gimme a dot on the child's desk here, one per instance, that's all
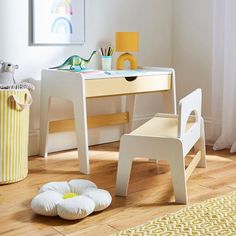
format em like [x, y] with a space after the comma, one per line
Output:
[77, 87]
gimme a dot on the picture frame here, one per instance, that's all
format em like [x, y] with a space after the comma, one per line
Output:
[58, 22]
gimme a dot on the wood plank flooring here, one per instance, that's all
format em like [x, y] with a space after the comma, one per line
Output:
[150, 192]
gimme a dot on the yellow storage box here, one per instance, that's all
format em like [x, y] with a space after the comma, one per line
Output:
[14, 129]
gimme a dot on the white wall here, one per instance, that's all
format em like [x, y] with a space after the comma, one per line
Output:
[192, 50]
[153, 19]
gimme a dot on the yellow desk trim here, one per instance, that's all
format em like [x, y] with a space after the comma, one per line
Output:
[92, 121]
[120, 86]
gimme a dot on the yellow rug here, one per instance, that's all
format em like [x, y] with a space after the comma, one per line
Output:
[213, 217]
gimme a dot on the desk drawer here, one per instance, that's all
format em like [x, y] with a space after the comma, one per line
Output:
[120, 86]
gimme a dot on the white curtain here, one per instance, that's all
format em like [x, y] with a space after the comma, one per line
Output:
[224, 74]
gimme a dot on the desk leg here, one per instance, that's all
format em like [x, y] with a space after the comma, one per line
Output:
[129, 107]
[80, 116]
[169, 102]
[170, 97]
[44, 110]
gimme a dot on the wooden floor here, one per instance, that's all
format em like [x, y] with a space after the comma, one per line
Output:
[150, 192]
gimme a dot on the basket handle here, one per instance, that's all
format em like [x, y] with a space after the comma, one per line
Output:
[27, 104]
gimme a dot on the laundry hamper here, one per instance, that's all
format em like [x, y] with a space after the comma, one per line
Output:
[14, 128]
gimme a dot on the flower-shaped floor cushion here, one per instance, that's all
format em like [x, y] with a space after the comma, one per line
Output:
[70, 200]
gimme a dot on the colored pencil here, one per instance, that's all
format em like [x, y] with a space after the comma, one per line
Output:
[106, 51]
[112, 50]
[100, 51]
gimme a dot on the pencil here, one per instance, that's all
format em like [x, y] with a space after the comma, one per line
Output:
[100, 51]
[109, 51]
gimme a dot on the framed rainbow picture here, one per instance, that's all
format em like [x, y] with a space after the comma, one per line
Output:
[58, 21]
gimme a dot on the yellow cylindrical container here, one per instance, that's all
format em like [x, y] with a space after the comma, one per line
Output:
[14, 129]
[127, 41]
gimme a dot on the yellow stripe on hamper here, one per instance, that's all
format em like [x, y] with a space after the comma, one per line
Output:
[13, 136]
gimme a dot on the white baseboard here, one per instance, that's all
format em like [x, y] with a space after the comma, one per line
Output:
[57, 142]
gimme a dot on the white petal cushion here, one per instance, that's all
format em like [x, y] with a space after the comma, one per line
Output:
[70, 200]
[60, 187]
[101, 198]
[78, 185]
[75, 208]
[46, 203]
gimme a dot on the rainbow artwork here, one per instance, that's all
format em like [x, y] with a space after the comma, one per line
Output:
[62, 7]
[62, 24]
[58, 21]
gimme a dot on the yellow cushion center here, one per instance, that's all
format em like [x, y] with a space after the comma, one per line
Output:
[69, 195]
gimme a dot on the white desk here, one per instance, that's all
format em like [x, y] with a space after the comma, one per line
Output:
[76, 87]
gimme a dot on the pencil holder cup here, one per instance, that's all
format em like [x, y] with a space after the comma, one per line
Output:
[106, 62]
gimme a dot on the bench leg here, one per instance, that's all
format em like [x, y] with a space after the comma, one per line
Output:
[179, 179]
[201, 146]
[123, 171]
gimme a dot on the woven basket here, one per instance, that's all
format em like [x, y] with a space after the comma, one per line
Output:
[14, 128]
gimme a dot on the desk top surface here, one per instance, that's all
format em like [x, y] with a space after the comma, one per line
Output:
[98, 74]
